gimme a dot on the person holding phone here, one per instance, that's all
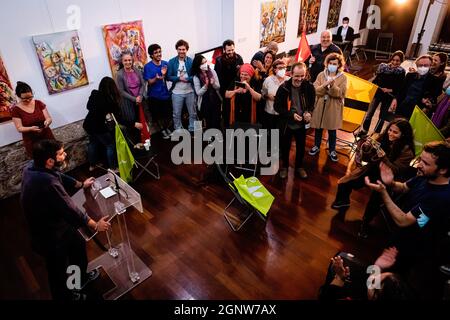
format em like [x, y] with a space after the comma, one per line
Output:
[31, 117]
[243, 96]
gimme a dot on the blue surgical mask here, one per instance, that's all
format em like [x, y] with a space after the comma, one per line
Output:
[332, 68]
[447, 91]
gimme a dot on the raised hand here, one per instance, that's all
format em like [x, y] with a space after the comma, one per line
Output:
[386, 174]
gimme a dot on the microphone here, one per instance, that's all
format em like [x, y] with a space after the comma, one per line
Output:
[117, 187]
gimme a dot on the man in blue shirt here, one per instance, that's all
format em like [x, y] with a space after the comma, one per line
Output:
[54, 218]
[424, 215]
[158, 95]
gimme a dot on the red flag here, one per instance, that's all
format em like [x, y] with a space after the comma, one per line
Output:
[303, 51]
[145, 134]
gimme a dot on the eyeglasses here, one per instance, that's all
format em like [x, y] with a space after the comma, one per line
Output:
[27, 98]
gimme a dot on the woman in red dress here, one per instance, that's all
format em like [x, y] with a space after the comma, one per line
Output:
[31, 118]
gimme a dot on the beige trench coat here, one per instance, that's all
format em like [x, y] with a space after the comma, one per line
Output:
[328, 115]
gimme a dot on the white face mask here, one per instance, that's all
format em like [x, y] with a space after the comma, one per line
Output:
[281, 73]
[204, 67]
[332, 68]
[423, 70]
[345, 25]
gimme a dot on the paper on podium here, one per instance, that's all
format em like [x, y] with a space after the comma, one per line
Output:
[102, 200]
[107, 192]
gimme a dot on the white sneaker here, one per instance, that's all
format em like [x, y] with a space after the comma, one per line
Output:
[333, 156]
[314, 150]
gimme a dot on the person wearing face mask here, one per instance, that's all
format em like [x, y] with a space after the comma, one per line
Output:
[227, 68]
[420, 88]
[344, 37]
[421, 216]
[294, 102]
[389, 78]
[269, 90]
[54, 218]
[319, 52]
[331, 86]
[207, 86]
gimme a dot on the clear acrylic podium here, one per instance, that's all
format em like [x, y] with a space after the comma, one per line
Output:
[111, 196]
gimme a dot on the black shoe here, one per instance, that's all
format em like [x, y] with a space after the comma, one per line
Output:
[340, 204]
[362, 133]
[445, 269]
[363, 232]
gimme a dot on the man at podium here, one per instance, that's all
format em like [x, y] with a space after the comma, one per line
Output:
[53, 218]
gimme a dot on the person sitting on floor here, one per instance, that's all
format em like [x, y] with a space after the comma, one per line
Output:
[395, 147]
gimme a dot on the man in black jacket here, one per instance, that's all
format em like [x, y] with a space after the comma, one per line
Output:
[54, 218]
[345, 32]
[420, 88]
[319, 52]
[294, 102]
[227, 67]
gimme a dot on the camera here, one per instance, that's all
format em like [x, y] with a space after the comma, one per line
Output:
[240, 84]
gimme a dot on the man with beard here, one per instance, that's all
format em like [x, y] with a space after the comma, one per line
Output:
[54, 218]
[227, 67]
[423, 217]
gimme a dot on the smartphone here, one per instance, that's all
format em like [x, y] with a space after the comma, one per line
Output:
[240, 84]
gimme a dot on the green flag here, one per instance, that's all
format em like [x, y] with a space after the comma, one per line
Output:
[254, 193]
[424, 130]
[124, 156]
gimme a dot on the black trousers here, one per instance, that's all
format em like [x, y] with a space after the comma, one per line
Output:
[300, 142]
[72, 251]
[373, 206]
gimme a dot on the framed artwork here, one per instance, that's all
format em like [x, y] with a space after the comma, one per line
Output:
[333, 13]
[61, 61]
[273, 21]
[7, 97]
[128, 36]
[309, 10]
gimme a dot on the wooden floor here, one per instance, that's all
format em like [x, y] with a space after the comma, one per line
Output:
[183, 237]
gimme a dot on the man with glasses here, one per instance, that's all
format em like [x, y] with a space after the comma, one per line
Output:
[420, 88]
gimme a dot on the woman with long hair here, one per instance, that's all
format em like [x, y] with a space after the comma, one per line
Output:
[207, 86]
[389, 78]
[394, 147]
[31, 118]
[99, 123]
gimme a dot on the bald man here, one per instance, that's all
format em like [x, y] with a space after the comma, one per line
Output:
[319, 52]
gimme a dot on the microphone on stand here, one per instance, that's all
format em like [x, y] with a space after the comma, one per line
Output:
[116, 183]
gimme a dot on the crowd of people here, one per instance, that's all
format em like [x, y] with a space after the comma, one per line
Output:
[268, 92]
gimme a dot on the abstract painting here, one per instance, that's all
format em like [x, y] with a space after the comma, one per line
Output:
[61, 61]
[333, 13]
[7, 97]
[128, 36]
[309, 9]
[273, 21]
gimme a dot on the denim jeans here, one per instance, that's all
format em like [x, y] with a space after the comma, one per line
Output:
[178, 100]
[96, 142]
[331, 139]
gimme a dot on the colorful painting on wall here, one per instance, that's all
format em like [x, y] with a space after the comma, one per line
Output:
[61, 61]
[7, 97]
[309, 9]
[333, 13]
[273, 21]
[128, 36]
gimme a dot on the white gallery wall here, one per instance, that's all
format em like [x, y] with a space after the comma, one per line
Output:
[247, 23]
[197, 21]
